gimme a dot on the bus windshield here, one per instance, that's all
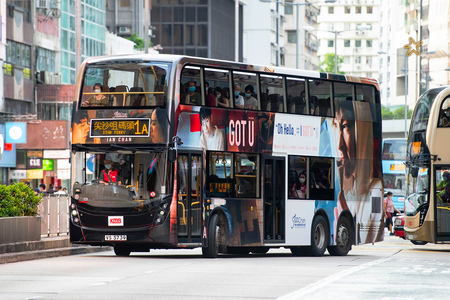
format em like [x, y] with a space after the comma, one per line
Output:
[111, 179]
[418, 189]
[124, 83]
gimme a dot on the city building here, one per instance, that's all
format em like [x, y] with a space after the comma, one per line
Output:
[349, 29]
[125, 17]
[204, 28]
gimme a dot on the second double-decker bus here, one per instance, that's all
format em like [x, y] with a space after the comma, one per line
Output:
[184, 152]
[394, 170]
[427, 206]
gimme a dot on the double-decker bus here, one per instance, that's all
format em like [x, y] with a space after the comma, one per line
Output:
[182, 152]
[427, 208]
[394, 170]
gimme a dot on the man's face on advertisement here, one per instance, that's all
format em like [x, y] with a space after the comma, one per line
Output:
[80, 131]
[345, 138]
[206, 125]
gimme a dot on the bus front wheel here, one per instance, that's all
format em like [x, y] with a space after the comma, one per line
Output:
[319, 237]
[122, 251]
[343, 239]
[214, 235]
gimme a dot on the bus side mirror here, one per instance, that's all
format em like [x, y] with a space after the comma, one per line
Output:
[415, 172]
[172, 155]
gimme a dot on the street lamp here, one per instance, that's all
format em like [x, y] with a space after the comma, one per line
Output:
[406, 87]
[297, 31]
[336, 32]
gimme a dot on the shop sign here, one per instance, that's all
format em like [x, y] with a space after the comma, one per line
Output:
[34, 163]
[18, 174]
[57, 153]
[34, 153]
[63, 164]
[35, 174]
[47, 164]
[63, 174]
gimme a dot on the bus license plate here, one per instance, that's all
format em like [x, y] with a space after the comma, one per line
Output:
[115, 237]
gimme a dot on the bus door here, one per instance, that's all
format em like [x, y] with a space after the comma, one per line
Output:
[189, 210]
[274, 199]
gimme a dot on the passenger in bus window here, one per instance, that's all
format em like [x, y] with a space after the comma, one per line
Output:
[444, 120]
[96, 100]
[193, 97]
[322, 180]
[445, 194]
[156, 126]
[445, 179]
[298, 190]
[249, 101]
[210, 99]
[211, 138]
[221, 98]
[238, 99]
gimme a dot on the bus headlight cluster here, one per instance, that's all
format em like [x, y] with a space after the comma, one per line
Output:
[74, 214]
[163, 211]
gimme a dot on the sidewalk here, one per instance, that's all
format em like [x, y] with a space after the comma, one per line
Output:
[45, 248]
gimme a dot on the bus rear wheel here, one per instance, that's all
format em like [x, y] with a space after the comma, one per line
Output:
[319, 237]
[214, 236]
[343, 239]
[122, 251]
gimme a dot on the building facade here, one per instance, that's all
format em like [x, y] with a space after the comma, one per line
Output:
[204, 28]
[353, 26]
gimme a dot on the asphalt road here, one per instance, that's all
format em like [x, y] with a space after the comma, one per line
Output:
[393, 269]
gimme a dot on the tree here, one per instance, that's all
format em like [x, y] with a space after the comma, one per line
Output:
[397, 114]
[327, 65]
[138, 42]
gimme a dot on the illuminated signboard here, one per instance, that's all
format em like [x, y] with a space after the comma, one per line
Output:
[398, 167]
[47, 165]
[130, 127]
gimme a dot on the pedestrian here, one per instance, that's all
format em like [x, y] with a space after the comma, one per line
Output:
[51, 189]
[60, 191]
[389, 209]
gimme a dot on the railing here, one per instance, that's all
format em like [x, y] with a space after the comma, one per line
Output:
[54, 212]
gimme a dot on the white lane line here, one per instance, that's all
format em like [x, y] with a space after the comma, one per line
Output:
[328, 280]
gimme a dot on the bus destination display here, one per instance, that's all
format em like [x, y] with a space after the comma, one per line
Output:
[129, 127]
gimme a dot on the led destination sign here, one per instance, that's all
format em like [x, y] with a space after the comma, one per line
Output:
[130, 127]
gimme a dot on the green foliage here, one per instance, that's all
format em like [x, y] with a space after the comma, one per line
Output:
[18, 200]
[327, 65]
[397, 114]
[138, 42]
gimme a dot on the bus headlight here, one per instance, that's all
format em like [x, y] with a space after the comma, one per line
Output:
[74, 213]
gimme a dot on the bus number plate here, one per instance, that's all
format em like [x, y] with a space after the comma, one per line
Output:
[115, 237]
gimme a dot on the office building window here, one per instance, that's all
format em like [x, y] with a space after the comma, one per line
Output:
[347, 9]
[330, 43]
[369, 9]
[357, 43]
[330, 10]
[288, 8]
[346, 43]
[369, 43]
[358, 9]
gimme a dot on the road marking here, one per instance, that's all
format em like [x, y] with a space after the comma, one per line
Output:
[330, 279]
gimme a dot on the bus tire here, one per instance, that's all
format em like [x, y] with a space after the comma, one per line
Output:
[122, 251]
[419, 243]
[214, 235]
[319, 237]
[343, 238]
